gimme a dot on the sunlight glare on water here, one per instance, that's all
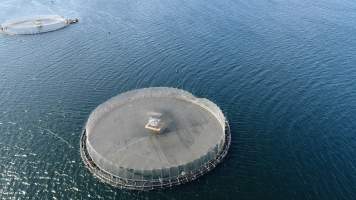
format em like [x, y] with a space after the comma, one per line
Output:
[283, 72]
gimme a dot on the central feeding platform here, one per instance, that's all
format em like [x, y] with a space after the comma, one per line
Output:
[154, 138]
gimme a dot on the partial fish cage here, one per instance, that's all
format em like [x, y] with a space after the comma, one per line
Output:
[34, 25]
[134, 179]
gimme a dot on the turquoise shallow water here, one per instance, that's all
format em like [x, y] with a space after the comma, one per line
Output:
[282, 71]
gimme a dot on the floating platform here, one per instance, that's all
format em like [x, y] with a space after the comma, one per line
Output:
[35, 25]
[119, 148]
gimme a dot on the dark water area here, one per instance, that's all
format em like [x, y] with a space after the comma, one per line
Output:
[283, 72]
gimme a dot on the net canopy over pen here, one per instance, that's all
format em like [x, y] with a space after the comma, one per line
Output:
[34, 25]
[121, 145]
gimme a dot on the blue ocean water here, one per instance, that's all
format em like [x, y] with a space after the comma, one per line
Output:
[283, 72]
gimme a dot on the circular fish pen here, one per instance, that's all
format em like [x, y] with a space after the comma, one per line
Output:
[154, 138]
[35, 25]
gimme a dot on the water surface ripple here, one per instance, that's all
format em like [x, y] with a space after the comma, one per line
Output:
[282, 71]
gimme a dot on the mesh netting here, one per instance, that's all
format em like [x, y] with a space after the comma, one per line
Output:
[147, 161]
[34, 25]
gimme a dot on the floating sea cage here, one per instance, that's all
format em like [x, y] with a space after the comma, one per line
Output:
[35, 25]
[135, 154]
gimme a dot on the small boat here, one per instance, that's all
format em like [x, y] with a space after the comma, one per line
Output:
[35, 25]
